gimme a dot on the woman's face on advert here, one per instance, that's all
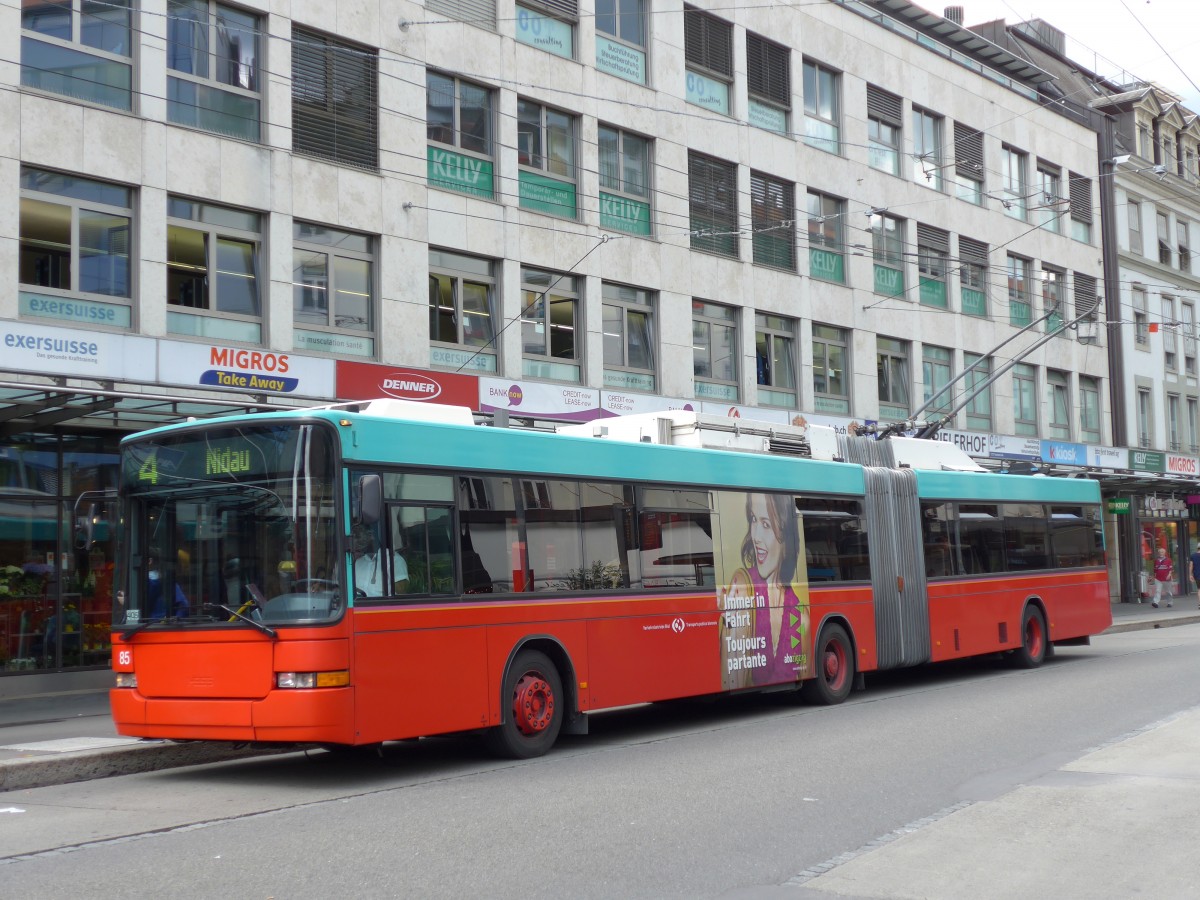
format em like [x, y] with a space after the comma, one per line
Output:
[767, 548]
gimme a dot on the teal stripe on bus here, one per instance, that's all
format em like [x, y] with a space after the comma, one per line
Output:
[476, 448]
[1006, 488]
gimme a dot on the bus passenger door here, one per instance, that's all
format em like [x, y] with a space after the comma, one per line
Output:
[897, 567]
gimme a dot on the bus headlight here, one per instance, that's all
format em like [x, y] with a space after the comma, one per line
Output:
[126, 679]
[312, 679]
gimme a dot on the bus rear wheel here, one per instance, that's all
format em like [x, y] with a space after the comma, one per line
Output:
[834, 658]
[1034, 644]
[531, 701]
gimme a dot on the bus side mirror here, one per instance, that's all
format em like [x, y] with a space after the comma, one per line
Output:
[370, 490]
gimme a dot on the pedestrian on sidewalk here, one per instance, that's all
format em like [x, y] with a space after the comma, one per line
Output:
[1196, 567]
[1163, 572]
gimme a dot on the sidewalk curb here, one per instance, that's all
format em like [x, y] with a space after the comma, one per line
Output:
[1146, 624]
[149, 756]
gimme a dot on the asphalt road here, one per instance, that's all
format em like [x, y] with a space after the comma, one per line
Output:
[731, 798]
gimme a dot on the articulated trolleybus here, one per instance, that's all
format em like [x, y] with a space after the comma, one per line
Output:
[386, 570]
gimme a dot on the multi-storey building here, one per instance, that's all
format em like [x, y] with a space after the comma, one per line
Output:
[825, 211]
[1150, 165]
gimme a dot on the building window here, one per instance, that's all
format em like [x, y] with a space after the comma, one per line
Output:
[621, 39]
[1143, 417]
[1025, 399]
[1170, 345]
[712, 194]
[1020, 305]
[821, 108]
[973, 275]
[1185, 245]
[1013, 183]
[927, 148]
[462, 311]
[937, 367]
[1080, 188]
[212, 52]
[831, 369]
[549, 325]
[775, 361]
[968, 163]
[624, 163]
[1189, 338]
[892, 377]
[714, 351]
[79, 48]
[1087, 309]
[708, 52]
[1059, 384]
[773, 221]
[1089, 409]
[769, 83]
[1048, 199]
[546, 155]
[885, 113]
[1054, 284]
[826, 246]
[887, 249]
[1193, 414]
[480, 13]
[1141, 317]
[1174, 441]
[979, 406]
[458, 126]
[629, 354]
[548, 25]
[334, 100]
[1134, 213]
[213, 271]
[76, 239]
[933, 251]
[1164, 239]
[333, 290]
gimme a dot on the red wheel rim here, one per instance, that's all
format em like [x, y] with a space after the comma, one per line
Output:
[833, 661]
[533, 704]
[1033, 636]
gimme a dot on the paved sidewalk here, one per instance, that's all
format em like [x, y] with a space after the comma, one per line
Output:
[1119, 822]
[59, 738]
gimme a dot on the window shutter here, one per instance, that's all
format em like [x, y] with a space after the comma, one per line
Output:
[885, 107]
[1080, 187]
[972, 251]
[933, 238]
[772, 215]
[968, 152]
[768, 74]
[474, 12]
[708, 41]
[560, 9]
[335, 110]
[712, 196]
[1087, 304]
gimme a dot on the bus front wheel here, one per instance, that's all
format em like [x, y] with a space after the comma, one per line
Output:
[532, 703]
[1034, 644]
[834, 676]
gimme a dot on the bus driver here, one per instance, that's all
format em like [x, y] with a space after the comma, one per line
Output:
[368, 565]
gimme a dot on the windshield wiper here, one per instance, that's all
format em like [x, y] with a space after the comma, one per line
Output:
[144, 625]
[265, 629]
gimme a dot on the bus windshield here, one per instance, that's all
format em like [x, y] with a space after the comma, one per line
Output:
[236, 524]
